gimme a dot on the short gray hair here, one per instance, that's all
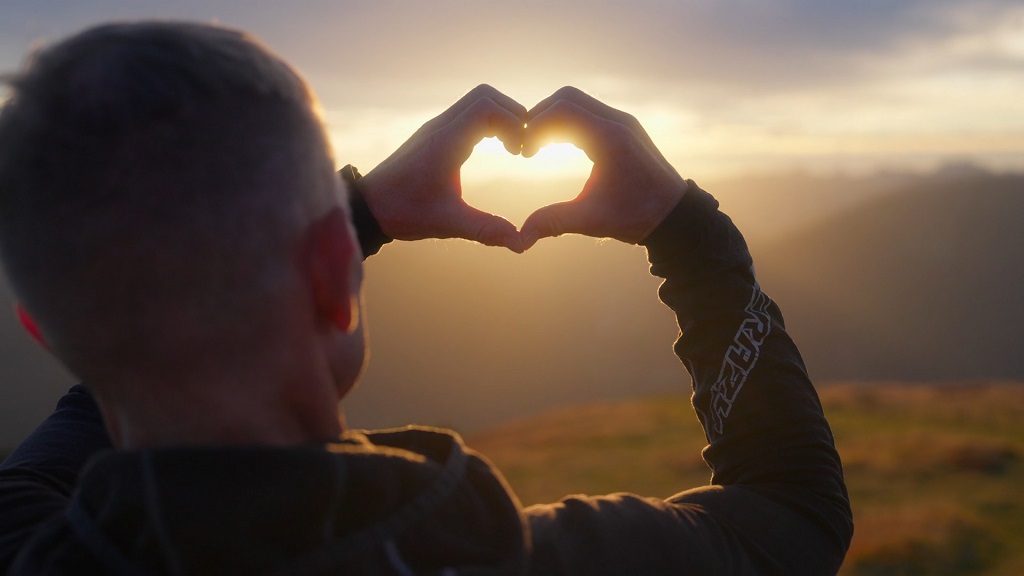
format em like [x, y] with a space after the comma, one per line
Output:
[153, 170]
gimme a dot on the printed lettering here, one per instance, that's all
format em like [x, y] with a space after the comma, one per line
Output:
[740, 358]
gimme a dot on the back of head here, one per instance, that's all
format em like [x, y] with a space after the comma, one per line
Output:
[154, 179]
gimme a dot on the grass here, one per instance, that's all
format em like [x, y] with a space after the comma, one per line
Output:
[934, 471]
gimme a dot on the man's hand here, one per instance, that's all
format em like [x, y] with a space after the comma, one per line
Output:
[417, 192]
[631, 188]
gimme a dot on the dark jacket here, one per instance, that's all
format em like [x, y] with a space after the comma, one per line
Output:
[414, 501]
[372, 504]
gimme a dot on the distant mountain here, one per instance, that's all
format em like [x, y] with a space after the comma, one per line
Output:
[924, 283]
[768, 206]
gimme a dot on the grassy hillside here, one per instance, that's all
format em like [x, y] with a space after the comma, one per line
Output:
[934, 471]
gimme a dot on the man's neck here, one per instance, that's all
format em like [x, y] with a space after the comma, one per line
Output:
[242, 411]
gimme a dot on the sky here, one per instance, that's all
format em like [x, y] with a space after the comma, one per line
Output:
[723, 87]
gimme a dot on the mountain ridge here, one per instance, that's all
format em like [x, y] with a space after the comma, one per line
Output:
[924, 281]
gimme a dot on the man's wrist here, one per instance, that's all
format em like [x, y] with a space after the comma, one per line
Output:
[368, 230]
[680, 231]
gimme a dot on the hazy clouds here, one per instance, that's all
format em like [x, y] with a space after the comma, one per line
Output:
[729, 83]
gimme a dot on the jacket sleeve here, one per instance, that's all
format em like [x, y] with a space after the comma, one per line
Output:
[36, 480]
[777, 502]
[371, 237]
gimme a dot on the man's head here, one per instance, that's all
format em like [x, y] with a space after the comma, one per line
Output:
[158, 186]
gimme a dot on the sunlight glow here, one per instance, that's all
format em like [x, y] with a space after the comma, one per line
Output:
[490, 161]
[364, 137]
[512, 186]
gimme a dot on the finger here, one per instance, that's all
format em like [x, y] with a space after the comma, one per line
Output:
[584, 100]
[552, 220]
[595, 107]
[455, 110]
[570, 93]
[481, 92]
[483, 119]
[565, 121]
[488, 229]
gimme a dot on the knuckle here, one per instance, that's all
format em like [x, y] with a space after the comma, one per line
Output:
[486, 233]
[554, 224]
[619, 135]
[482, 90]
[568, 93]
[481, 105]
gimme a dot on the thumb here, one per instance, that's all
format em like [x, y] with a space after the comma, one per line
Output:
[552, 220]
[487, 229]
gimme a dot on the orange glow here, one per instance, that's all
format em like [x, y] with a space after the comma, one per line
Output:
[513, 186]
[490, 160]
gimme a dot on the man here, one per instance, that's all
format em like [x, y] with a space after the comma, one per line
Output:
[172, 224]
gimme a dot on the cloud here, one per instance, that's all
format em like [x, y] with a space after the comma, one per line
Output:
[745, 44]
[793, 69]
[748, 45]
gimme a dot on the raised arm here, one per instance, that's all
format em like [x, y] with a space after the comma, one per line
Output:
[777, 503]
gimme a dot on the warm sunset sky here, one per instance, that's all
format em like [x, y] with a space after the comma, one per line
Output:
[721, 86]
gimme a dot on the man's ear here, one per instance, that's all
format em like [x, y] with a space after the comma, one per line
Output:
[30, 325]
[331, 265]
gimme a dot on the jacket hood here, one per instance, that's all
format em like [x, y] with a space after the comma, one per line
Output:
[405, 501]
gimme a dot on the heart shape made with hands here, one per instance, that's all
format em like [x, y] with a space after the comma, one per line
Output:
[418, 192]
[513, 186]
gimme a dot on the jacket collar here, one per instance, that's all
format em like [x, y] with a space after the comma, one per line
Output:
[412, 496]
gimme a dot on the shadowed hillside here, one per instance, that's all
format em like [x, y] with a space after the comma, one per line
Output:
[767, 207]
[924, 283]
